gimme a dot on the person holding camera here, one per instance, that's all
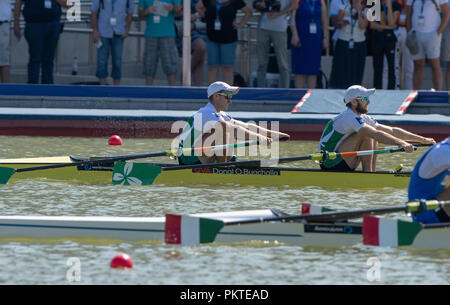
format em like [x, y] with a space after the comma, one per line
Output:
[272, 28]
[350, 55]
[309, 36]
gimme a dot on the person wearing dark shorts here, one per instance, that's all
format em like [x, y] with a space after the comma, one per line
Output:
[340, 167]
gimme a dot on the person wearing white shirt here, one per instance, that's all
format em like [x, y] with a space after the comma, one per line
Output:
[354, 130]
[213, 123]
[424, 18]
[335, 5]
[349, 58]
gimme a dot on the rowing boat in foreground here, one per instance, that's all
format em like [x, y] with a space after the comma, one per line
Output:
[247, 176]
[136, 229]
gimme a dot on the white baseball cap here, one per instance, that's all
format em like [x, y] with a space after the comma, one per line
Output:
[356, 91]
[219, 86]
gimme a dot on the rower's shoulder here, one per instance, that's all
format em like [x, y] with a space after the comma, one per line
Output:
[344, 115]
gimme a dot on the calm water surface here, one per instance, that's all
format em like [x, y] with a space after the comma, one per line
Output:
[45, 261]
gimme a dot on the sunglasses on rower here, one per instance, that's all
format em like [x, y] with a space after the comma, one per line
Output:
[364, 99]
[227, 95]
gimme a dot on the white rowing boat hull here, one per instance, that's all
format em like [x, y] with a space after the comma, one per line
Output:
[134, 229]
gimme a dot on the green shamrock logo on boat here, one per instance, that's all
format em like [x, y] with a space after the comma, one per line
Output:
[130, 173]
[124, 177]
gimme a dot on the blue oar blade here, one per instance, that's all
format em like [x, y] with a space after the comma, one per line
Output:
[5, 174]
[130, 173]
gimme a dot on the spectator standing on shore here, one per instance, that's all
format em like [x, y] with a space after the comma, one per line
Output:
[405, 61]
[160, 38]
[221, 29]
[350, 55]
[446, 53]
[198, 44]
[309, 36]
[111, 21]
[335, 6]
[425, 20]
[384, 43]
[272, 26]
[5, 18]
[42, 29]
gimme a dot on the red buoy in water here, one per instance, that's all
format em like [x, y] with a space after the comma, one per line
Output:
[121, 261]
[115, 140]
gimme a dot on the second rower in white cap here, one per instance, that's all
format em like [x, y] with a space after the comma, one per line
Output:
[354, 130]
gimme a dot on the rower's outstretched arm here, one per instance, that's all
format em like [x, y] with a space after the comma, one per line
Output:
[384, 137]
[241, 131]
[405, 135]
[262, 131]
[224, 132]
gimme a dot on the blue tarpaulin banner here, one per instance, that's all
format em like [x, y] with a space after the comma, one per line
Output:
[332, 101]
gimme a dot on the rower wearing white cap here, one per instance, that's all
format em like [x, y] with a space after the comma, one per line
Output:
[354, 130]
[212, 123]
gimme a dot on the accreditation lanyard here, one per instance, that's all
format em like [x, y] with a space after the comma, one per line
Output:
[353, 21]
[422, 17]
[312, 25]
[113, 19]
[217, 23]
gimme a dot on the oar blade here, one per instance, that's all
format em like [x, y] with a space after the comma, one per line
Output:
[131, 173]
[386, 232]
[190, 230]
[5, 174]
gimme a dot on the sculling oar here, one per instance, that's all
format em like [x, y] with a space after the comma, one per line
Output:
[184, 229]
[144, 174]
[415, 144]
[7, 172]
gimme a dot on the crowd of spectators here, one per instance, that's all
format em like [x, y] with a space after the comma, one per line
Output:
[403, 35]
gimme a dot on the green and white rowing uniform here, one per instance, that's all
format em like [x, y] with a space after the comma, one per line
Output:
[196, 125]
[338, 129]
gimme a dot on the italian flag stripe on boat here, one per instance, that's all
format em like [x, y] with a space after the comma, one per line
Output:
[189, 230]
[308, 208]
[388, 232]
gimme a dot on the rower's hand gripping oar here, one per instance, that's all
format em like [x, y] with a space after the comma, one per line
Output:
[7, 172]
[184, 229]
[147, 173]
